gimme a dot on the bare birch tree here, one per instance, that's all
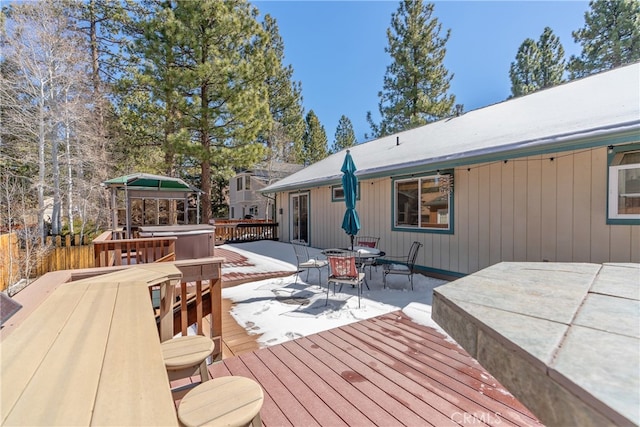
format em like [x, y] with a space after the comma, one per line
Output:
[47, 81]
[17, 210]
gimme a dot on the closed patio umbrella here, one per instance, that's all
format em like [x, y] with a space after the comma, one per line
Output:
[351, 222]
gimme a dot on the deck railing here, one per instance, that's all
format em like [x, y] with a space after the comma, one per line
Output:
[245, 231]
[200, 295]
[110, 252]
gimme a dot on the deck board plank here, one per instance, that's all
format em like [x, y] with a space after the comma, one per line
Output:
[284, 369]
[282, 394]
[392, 398]
[385, 371]
[409, 397]
[270, 409]
[316, 386]
[322, 363]
[459, 359]
[474, 368]
[451, 383]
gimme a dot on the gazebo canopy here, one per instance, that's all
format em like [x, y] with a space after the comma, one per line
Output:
[145, 181]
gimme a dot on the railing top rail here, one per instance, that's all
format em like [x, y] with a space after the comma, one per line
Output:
[261, 224]
[140, 239]
[106, 236]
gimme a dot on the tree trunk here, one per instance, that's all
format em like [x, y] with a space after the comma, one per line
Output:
[206, 145]
[41, 164]
[55, 169]
[67, 138]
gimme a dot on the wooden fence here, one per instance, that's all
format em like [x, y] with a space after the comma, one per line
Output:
[9, 265]
[66, 253]
[63, 253]
[69, 253]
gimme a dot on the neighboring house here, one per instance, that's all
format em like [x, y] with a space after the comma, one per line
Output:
[552, 176]
[245, 197]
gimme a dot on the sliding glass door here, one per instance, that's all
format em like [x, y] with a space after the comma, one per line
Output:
[299, 229]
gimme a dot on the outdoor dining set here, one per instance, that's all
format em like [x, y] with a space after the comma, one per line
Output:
[347, 265]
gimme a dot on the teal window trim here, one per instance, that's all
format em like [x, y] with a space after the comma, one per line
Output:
[611, 154]
[338, 188]
[418, 229]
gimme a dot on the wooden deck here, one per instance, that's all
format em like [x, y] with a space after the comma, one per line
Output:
[383, 371]
[235, 338]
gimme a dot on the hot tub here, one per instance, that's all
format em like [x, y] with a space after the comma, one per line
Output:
[194, 241]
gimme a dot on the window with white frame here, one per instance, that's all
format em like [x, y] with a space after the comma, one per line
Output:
[247, 182]
[239, 183]
[624, 186]
[337, 193]
[423, 203]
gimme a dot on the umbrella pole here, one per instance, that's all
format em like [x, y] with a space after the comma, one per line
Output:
[351, 241]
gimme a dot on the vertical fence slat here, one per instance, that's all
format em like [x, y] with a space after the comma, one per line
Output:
[9, 254]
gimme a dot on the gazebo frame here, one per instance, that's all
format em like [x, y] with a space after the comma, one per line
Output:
[148, 186]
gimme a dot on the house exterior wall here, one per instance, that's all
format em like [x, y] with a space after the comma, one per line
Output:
[525, 209]
[241, 201]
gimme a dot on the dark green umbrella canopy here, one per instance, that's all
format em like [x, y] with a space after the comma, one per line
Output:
[351, 221]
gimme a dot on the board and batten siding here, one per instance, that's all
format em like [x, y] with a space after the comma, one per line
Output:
[549, 207]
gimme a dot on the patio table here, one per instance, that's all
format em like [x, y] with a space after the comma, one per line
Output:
[90, 355]
[363, 252]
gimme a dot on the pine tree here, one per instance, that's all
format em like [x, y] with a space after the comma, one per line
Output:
[205, 64]
[315, 140]
[523, 71]
[609, 39]
[106, 25]
[416, 83]
[551, 64]
[284, 139]
[345, 136]
[538, 65]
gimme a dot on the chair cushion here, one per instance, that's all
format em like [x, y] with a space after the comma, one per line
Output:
[348, 280]
[343, 267]
[314, 263]
[397, 268]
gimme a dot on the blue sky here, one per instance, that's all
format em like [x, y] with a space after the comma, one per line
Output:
[337, 49]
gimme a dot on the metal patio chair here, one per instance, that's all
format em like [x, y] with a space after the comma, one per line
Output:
[368, 242]
[343, 270]
[305, 262]
[406, 269]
